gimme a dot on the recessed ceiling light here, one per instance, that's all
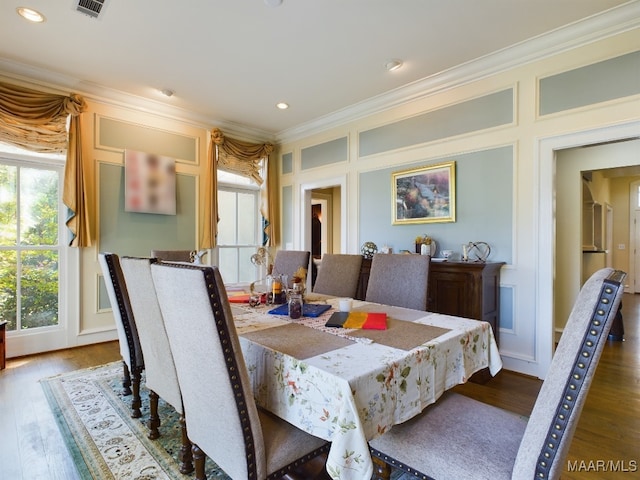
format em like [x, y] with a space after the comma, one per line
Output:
[30, 14]
[282, 105]
[393, 65]
[167, 92]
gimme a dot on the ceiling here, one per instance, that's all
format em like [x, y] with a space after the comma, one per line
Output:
[230, 61]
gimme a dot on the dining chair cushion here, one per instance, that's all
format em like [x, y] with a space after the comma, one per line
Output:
[287, 262]
[463, 438]
[128, 339]
[115, 285]
[338, 275]
[400, 280]
[119, 298]
[222, 417]
[161, 378]
[458, 437]
[160, 369]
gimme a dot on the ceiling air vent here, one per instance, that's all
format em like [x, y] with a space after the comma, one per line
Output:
[90, 7]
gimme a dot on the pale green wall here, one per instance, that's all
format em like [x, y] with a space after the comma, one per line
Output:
[484, 200]
[472, 115]
[501, 175]
[607, 80]
[136, 234]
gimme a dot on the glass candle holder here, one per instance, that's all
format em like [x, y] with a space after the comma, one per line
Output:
[295, 306]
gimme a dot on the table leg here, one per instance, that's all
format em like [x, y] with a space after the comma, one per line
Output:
[381, 471]
[617, 327]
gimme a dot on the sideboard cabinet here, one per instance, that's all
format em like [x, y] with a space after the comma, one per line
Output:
[466, 289]
[462, 289]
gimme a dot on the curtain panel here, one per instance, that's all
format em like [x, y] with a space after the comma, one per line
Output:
[242, 158]
[37, 121]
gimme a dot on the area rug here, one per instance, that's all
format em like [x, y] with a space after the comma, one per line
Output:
[104, 441]
[94, 418]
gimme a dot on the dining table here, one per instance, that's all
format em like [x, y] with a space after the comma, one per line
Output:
[350, 385]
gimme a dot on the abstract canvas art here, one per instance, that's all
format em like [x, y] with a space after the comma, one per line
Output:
[150, 183]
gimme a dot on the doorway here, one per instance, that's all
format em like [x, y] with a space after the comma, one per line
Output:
[547, 247]
[322, 221]
[330, 195]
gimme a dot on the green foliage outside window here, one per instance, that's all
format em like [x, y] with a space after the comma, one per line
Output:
[28, 247]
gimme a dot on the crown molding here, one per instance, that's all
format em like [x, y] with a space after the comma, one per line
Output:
[34, 77]
[613, 22]
[595, 28]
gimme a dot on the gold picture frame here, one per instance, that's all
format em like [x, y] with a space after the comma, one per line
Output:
[424, 195]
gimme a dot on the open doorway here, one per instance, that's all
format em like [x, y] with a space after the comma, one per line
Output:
[326, 233]
[549, 245]
[322, 219]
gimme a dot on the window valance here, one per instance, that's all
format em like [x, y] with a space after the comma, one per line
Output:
[37, 121]
[243, 158]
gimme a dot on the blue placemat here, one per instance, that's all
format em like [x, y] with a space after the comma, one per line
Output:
[308, 309]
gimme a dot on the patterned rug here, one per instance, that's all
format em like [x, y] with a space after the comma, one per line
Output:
[104, 441]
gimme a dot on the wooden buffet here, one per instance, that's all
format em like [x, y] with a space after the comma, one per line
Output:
[462, 289]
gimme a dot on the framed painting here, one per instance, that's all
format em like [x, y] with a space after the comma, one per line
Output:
[150, 183]
[424, 194]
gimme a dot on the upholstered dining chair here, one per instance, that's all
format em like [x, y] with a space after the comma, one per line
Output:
[400, 280]
[130, 350]
[338, 275]
[287, 262]
[459, 437]
[174, 255]
[161, 378]
[223, 419]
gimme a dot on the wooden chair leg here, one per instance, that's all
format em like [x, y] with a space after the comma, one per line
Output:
[381, 470]
[136, 402]
[198, 460]
[185, 456]
[126, 380]
[154, 419]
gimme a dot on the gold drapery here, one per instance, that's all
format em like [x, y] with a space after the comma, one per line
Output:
[37, 121]
[243, 158]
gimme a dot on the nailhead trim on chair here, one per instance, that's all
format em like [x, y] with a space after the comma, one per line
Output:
[232, 368]
[109, 257]
[399, 465]
[280, 473]
[576, 380]
[132, 378]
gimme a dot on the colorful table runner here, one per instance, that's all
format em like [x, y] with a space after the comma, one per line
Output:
[366, 320]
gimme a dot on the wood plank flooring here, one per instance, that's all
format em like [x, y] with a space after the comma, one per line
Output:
[607, 437]
[606, 444]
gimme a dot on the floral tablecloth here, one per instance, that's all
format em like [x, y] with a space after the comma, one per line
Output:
[354, 393]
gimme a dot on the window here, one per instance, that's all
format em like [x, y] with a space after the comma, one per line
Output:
[30, 250]
[239, 228]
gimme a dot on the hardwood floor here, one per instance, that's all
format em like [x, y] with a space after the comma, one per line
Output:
[609, 427]
[31, 446]
[608, 434]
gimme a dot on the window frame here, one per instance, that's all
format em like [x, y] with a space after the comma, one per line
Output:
[253, 189]
[14, 157]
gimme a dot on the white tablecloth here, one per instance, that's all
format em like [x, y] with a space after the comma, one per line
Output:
[355, 393]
